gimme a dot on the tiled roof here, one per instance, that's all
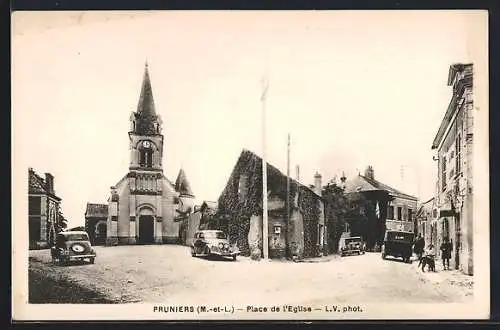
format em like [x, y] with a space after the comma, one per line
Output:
[96, 210]
[36, 183]
[362, 183]
[276, 171]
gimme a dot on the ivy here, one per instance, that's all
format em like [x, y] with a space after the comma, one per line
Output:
[234, 213]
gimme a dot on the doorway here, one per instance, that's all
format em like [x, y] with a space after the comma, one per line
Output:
[100, 234]
[146, 229]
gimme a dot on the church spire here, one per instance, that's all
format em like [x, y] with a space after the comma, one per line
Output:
[145, 121]
[146, 106]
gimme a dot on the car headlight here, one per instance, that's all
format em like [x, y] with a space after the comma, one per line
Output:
[214, 248]
[221, 245]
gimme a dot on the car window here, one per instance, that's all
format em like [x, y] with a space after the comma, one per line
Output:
[77, 237]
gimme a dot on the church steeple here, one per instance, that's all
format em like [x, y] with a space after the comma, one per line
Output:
[145, 137]
[145, 119]
[146, 105]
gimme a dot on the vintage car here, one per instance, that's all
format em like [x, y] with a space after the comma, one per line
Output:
[398, 244]
[212, 242]
[72, 246]
[352, 245]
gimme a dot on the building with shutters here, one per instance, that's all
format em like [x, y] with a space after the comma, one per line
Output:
[453, 145]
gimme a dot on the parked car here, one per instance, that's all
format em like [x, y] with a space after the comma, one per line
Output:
[352, 245]
[398, 244]
[72, 246]
[213, 242]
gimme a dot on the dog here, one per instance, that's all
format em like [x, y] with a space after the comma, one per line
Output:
[427, 260]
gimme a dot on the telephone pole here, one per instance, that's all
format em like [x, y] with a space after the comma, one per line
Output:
[265, 227]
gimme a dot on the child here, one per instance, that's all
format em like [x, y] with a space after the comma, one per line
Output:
[428, 258]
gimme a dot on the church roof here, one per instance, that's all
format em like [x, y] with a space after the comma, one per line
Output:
[147, 122]
[96, 210]
[146, 105]
[182, 184]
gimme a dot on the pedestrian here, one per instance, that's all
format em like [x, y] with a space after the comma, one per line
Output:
[446, 248]
[419, 246]
[428, 258]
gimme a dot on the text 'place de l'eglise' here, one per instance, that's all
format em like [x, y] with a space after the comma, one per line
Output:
[304, 220]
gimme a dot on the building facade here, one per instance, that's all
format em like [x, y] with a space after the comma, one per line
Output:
[453, 146]
[145, 207]
[381, 208]
[44, 215]
[96, 220]
[302, 232]
[426, 218]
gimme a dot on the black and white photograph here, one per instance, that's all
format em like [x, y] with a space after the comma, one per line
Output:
[250, 165]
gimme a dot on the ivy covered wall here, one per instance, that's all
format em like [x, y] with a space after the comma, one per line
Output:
[242, 198]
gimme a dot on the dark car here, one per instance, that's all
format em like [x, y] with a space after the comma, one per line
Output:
[72, 246]
[213, 242]
[398, 244]
[352, 245]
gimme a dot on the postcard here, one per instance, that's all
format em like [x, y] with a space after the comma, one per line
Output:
[250, 165]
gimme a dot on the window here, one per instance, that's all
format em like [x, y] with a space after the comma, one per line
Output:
[400, 213]
[443, 174]
[34, 205]
[458, 147]
[410, 214]
[146, 158]
[390, 212]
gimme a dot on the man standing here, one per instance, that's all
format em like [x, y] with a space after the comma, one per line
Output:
[446, 248]
[419, 246]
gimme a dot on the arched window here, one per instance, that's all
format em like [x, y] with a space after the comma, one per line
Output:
[146, 157]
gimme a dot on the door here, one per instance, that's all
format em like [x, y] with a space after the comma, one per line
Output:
[146, 229]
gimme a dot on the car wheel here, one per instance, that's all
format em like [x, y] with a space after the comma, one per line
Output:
[383, 256]
[234, 258]
[92, 260]
[193, 254]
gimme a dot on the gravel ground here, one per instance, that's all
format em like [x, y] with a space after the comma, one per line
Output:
[168, 274]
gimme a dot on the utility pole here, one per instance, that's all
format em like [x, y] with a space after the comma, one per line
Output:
[287, 249]
[265, 227]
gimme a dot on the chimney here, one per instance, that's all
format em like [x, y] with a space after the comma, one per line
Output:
[49, 182]
[297, 173]
[317, 183]
[369, 173]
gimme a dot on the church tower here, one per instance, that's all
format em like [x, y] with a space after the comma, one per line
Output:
[145, 138]
[144, 205]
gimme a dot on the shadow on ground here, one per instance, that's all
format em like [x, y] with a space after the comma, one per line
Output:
[44, 288]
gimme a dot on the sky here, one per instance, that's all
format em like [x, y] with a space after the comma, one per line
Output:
[351, 88]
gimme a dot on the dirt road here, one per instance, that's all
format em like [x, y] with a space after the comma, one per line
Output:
[168, 274]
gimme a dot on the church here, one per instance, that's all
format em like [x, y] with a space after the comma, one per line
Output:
[145, 207]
